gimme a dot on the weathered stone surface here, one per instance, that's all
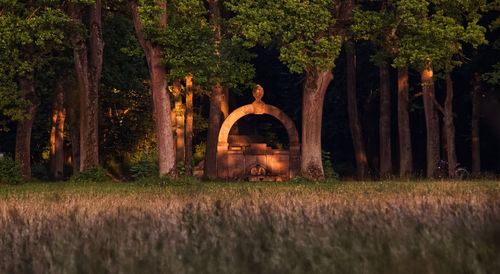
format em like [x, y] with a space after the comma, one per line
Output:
[237, 160]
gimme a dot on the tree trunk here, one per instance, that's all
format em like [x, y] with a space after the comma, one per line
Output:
[72, 106]
[313, 97]
[385, 123]
[75, 143]
[214, 123]
[158, 86]
[180, 152]
[405, 150]
[224, 107]
[189, 124]
[214, 7]
[25, 126]
[431, 121]
[88, 67]
[450, 127]
[216, 100]
[354, 124]
[57, 134]
[476, 145]
[161, 101]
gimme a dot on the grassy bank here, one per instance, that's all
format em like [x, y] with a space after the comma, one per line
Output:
[193, 227]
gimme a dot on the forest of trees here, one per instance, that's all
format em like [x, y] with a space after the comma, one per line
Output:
[377, 88]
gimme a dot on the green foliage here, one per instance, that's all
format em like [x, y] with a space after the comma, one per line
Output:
[301, 30]
[493, 76]
[435, 30]
[422, 33]
[142, 161]
[40, 171]
[95, 174]
[199, 152]
[9, 171]
[29, 34]
[328, 166]
[144, 164]
[124, 98]
[190, 46]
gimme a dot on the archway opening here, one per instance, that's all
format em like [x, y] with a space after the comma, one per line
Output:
[259, 129]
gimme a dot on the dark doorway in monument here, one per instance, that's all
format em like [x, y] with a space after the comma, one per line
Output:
[258, 142]
[262, 128]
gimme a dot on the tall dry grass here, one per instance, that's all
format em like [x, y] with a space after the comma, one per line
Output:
[289, 230]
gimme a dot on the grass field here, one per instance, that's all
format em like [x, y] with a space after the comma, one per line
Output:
[194, 227]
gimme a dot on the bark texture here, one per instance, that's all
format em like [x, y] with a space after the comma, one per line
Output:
[189, 124]
[216, 100]
[385, 123]
[313, 97]
[354, 124]
[214, 123]
[225, 103]
[431, 121]
[405, 150]
[180, 152]
[57, 134]
[475, 141]
[449, 128]
[73, 115]
[88, 67]
[25, 126]
[158, 86]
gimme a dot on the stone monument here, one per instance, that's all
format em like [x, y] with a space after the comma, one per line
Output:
[246, 160]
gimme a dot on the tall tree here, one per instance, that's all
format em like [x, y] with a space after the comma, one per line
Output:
[383, 28]
[385, 122]
[205, 49]
[308, 43]
[345, 13]
[88, 56]
[189, 124]
[435, 32]
[179, 124]
[449, 128]
[431, 119]
[405, 149]
[31, 32]
[146, 25]
[216, 97]
[475, 129]
[57, 133]
[352, 109]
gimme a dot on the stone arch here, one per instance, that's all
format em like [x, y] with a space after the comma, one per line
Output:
[250, 109]
[257, 107]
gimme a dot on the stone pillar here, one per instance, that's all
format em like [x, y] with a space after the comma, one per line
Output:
[222, 166]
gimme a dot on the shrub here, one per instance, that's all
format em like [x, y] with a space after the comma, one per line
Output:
[95, 174]
[328, 166]
[144, 164]
[199, 153]
[10, 173]
[40, 171]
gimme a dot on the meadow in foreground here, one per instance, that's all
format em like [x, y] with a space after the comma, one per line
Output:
[391, 227]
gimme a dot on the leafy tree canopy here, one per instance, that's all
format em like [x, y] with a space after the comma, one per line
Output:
[190, 47]
[303, 31]
[422, 33]
[28, 36]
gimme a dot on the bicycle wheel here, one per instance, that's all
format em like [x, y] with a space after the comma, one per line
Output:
[462, 173]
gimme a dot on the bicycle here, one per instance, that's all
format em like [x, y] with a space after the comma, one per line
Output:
[441, 171]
